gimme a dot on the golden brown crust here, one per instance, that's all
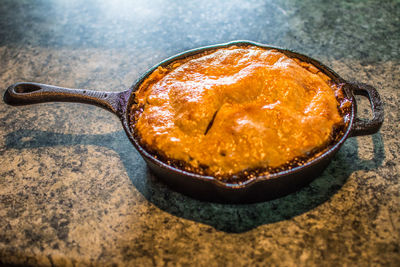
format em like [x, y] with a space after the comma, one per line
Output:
[236, 108]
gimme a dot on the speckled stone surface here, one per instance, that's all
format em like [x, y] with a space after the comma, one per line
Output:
[74, 192]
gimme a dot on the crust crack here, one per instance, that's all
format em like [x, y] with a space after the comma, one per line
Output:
[210, 124]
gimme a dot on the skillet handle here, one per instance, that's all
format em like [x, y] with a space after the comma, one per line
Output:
[26, 93]
[367, 127]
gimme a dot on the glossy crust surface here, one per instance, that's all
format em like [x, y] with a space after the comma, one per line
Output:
[236, 109]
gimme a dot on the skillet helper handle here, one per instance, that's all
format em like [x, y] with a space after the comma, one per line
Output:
[26, 93]
[367, 127]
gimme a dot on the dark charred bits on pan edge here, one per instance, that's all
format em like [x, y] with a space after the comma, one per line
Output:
[242, 176]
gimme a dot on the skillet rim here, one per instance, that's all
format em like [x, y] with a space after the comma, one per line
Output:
[125, 117]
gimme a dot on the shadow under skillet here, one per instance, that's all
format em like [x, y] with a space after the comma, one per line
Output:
[225, 217]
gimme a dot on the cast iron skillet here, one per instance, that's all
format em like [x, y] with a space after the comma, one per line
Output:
[203, 187]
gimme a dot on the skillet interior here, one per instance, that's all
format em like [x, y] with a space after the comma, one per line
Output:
[247, 177]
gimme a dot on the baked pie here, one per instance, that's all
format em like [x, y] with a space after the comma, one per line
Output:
[236, 109]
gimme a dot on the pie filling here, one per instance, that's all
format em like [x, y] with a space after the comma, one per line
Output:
[237, 109]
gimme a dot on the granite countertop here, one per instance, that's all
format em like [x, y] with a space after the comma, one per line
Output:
[74, 192]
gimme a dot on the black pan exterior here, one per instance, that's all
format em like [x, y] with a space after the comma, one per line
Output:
[261, 189]
[255, 189]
